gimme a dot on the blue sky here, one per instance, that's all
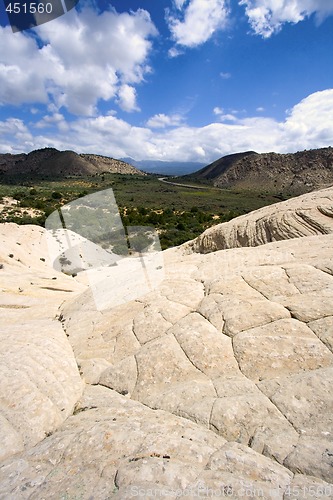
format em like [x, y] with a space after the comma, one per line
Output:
[184, 80]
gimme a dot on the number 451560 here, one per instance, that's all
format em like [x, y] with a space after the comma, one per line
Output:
[30, 8]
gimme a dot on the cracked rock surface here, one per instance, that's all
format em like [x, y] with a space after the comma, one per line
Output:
[219, 379]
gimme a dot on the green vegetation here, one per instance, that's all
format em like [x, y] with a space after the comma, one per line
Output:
[178, 213]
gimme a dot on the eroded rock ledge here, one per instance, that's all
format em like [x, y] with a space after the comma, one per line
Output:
[220, 379]
[306, 215]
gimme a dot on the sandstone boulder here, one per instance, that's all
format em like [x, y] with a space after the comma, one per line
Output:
[305, 215]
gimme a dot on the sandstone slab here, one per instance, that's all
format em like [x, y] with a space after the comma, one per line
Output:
[286, 346]
[115, 447]
[304, 215]
[221, 378]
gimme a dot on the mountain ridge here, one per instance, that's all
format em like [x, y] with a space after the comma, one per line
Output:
[49, 162]
[165, 167]
[294, 173]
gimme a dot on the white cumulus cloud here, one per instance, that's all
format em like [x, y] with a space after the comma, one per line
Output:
[127, 98]
[15, 136]
[310, 122]
[223, 116]
[80, 59]
[267, 16]
[197, 21]
[161, 121]
[307, 125]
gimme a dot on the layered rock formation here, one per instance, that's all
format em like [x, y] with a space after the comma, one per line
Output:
[305, 215]
[216, 384]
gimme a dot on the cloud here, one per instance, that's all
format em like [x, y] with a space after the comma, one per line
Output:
[175, 52]
[22, 69]
[197, 21]
[267, 16]
[225, 76]
[127, 98]
[310, 121]
[53, 119]
[218, 111]
[307, 125]
[15, 136]
[193, 22]
[179, 3]
[77, 60]
[224, 116]
[162, 121]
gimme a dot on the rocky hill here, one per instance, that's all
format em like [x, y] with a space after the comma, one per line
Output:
[218, 167]
[296, 173]
[217, 383]
[50, 162]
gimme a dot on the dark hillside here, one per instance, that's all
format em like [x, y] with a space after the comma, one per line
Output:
[50, 162]
[219, 166]
[291, 174]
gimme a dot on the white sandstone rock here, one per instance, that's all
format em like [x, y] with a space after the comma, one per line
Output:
[218, 380]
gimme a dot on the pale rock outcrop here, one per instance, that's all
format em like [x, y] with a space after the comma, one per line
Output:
[114, 447]
[39, 379]
[286, 346]
[305, 215]
[219, 379]
[232, 335]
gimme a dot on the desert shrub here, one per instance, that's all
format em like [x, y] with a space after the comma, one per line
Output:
[18, 195]
[180, 226]
[142, 210]
[153, 218]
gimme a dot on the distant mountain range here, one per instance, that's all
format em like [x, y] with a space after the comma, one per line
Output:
[165, 167]
[292, 173]
[50, 162]
[295, 173]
